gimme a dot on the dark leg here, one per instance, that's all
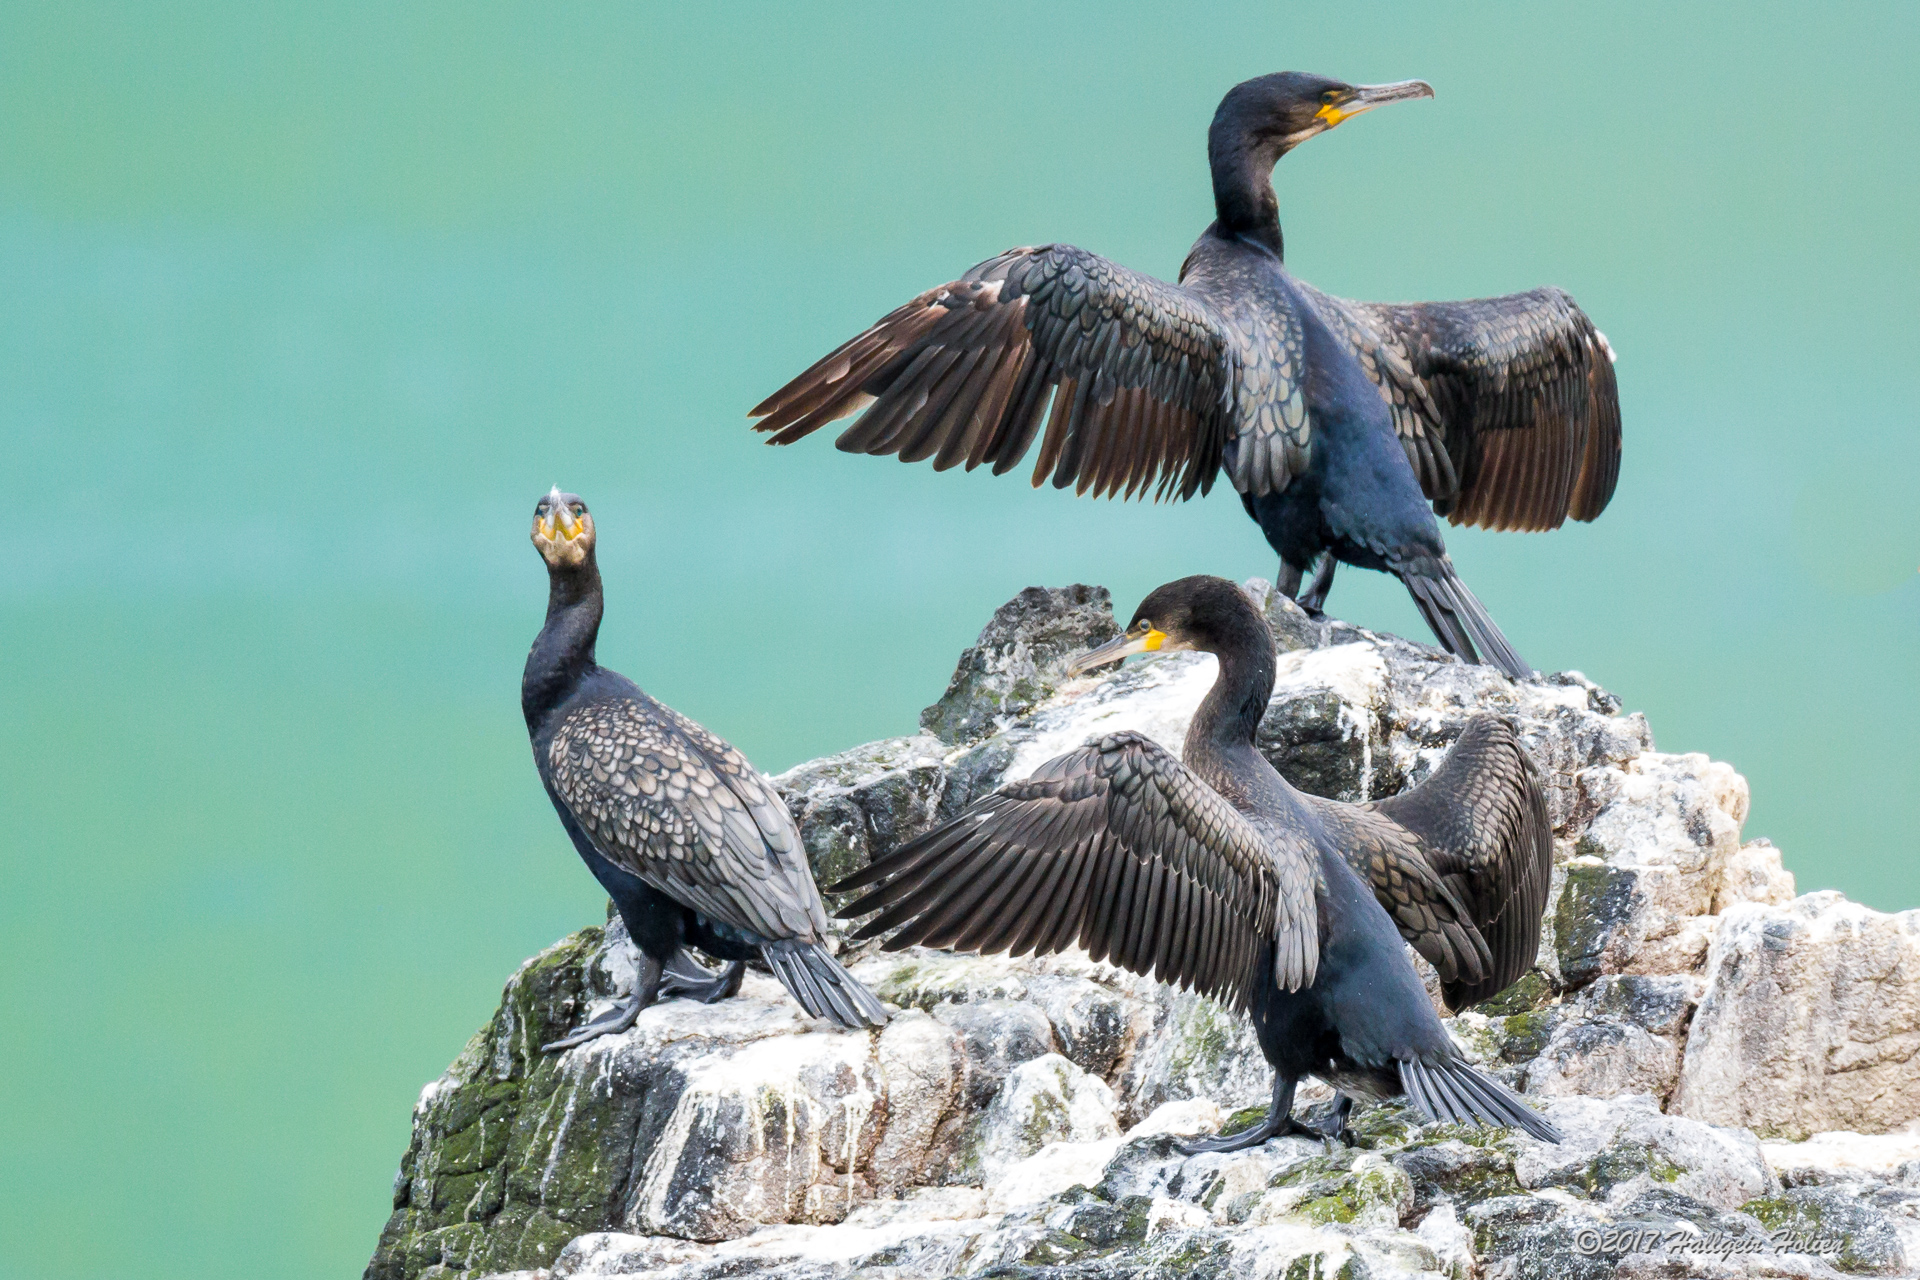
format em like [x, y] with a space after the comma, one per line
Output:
[685, 976]
[1279, 1123]
[1340, 1131]
[1288, 583]
[1314, 599]
[646, 987]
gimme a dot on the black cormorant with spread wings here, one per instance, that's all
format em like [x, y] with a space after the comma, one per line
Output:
[686, 837]
[1345, 426]
[1211, 872]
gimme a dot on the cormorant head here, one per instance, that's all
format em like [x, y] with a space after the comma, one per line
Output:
[563, 530]
[1277, 113]
[1202, 612]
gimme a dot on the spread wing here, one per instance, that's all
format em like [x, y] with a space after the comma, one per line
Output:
[1120, 848]
[664, 799]
[1507, 407]
[1141, 376]
[1480, 822]
[1424, 907]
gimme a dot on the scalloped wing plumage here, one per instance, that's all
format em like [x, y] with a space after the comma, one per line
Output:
[1480, 822]
[1272, 434]
[1507, 407]
[661, 797]
[1142, 378]
[1117, 847]
[1426, 910]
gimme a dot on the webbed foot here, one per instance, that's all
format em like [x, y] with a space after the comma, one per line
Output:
[1342, 1132]
[1279, 1122]
[1335, 1128]
[1251, 1136]
[614, 1020]
[646, 988]
[1314, 599]
[686, 977]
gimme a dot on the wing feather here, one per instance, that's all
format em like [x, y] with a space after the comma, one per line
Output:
[1143, 377]
[661, 797]
[1120, 848]
[1480, 823]
[1507, 406]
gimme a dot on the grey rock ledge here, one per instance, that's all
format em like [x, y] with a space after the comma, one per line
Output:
[1733, 1066]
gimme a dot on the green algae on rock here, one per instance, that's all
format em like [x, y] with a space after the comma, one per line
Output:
[744, 1139]
[482, 1186]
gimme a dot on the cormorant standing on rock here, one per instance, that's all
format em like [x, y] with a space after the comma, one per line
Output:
[1211, 872]
[1345, 426]
[686, 837]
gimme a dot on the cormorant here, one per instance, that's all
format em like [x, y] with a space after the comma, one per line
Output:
[1338, 422]
[1212, 872]
[686, 837]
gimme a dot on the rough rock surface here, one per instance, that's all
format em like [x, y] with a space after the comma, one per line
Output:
[1019, 659]
[1817, 971]
[1733, 1067]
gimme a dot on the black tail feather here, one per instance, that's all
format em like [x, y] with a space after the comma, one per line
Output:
[1458, 1093]
[1459, 621]
[1440, 620]
[822, 987]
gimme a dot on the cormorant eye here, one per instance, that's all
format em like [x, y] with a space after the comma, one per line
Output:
[579, 510]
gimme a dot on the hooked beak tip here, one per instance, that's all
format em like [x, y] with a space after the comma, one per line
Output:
[560, 515]
[1368, 96]
[1398, 91]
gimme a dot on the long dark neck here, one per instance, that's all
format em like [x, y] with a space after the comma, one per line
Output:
[1243, 202]
[562, 653]
[1223, 728]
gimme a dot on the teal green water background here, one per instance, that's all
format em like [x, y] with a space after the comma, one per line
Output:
[301, 307]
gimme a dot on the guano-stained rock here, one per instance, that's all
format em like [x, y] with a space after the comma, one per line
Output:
[1044, 1100]
[1021, 1117]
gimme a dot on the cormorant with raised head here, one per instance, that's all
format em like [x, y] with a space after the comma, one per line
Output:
[1211, 872]
[686, 837]
[1345, 426]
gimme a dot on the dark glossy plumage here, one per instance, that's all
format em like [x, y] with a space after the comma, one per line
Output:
[1506, 407]
[1343, 425]
[1055, 859]
[1461, 862]
[1213, 873]
[687, 838]
[663, 798]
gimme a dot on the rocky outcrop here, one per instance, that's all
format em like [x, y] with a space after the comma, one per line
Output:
[1688, 1025]
[1019, 659]
[1810, 1019]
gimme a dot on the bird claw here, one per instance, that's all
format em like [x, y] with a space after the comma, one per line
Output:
[613, 1021]
[1301, 1129]
[1265, 1131]
[1313, 599]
